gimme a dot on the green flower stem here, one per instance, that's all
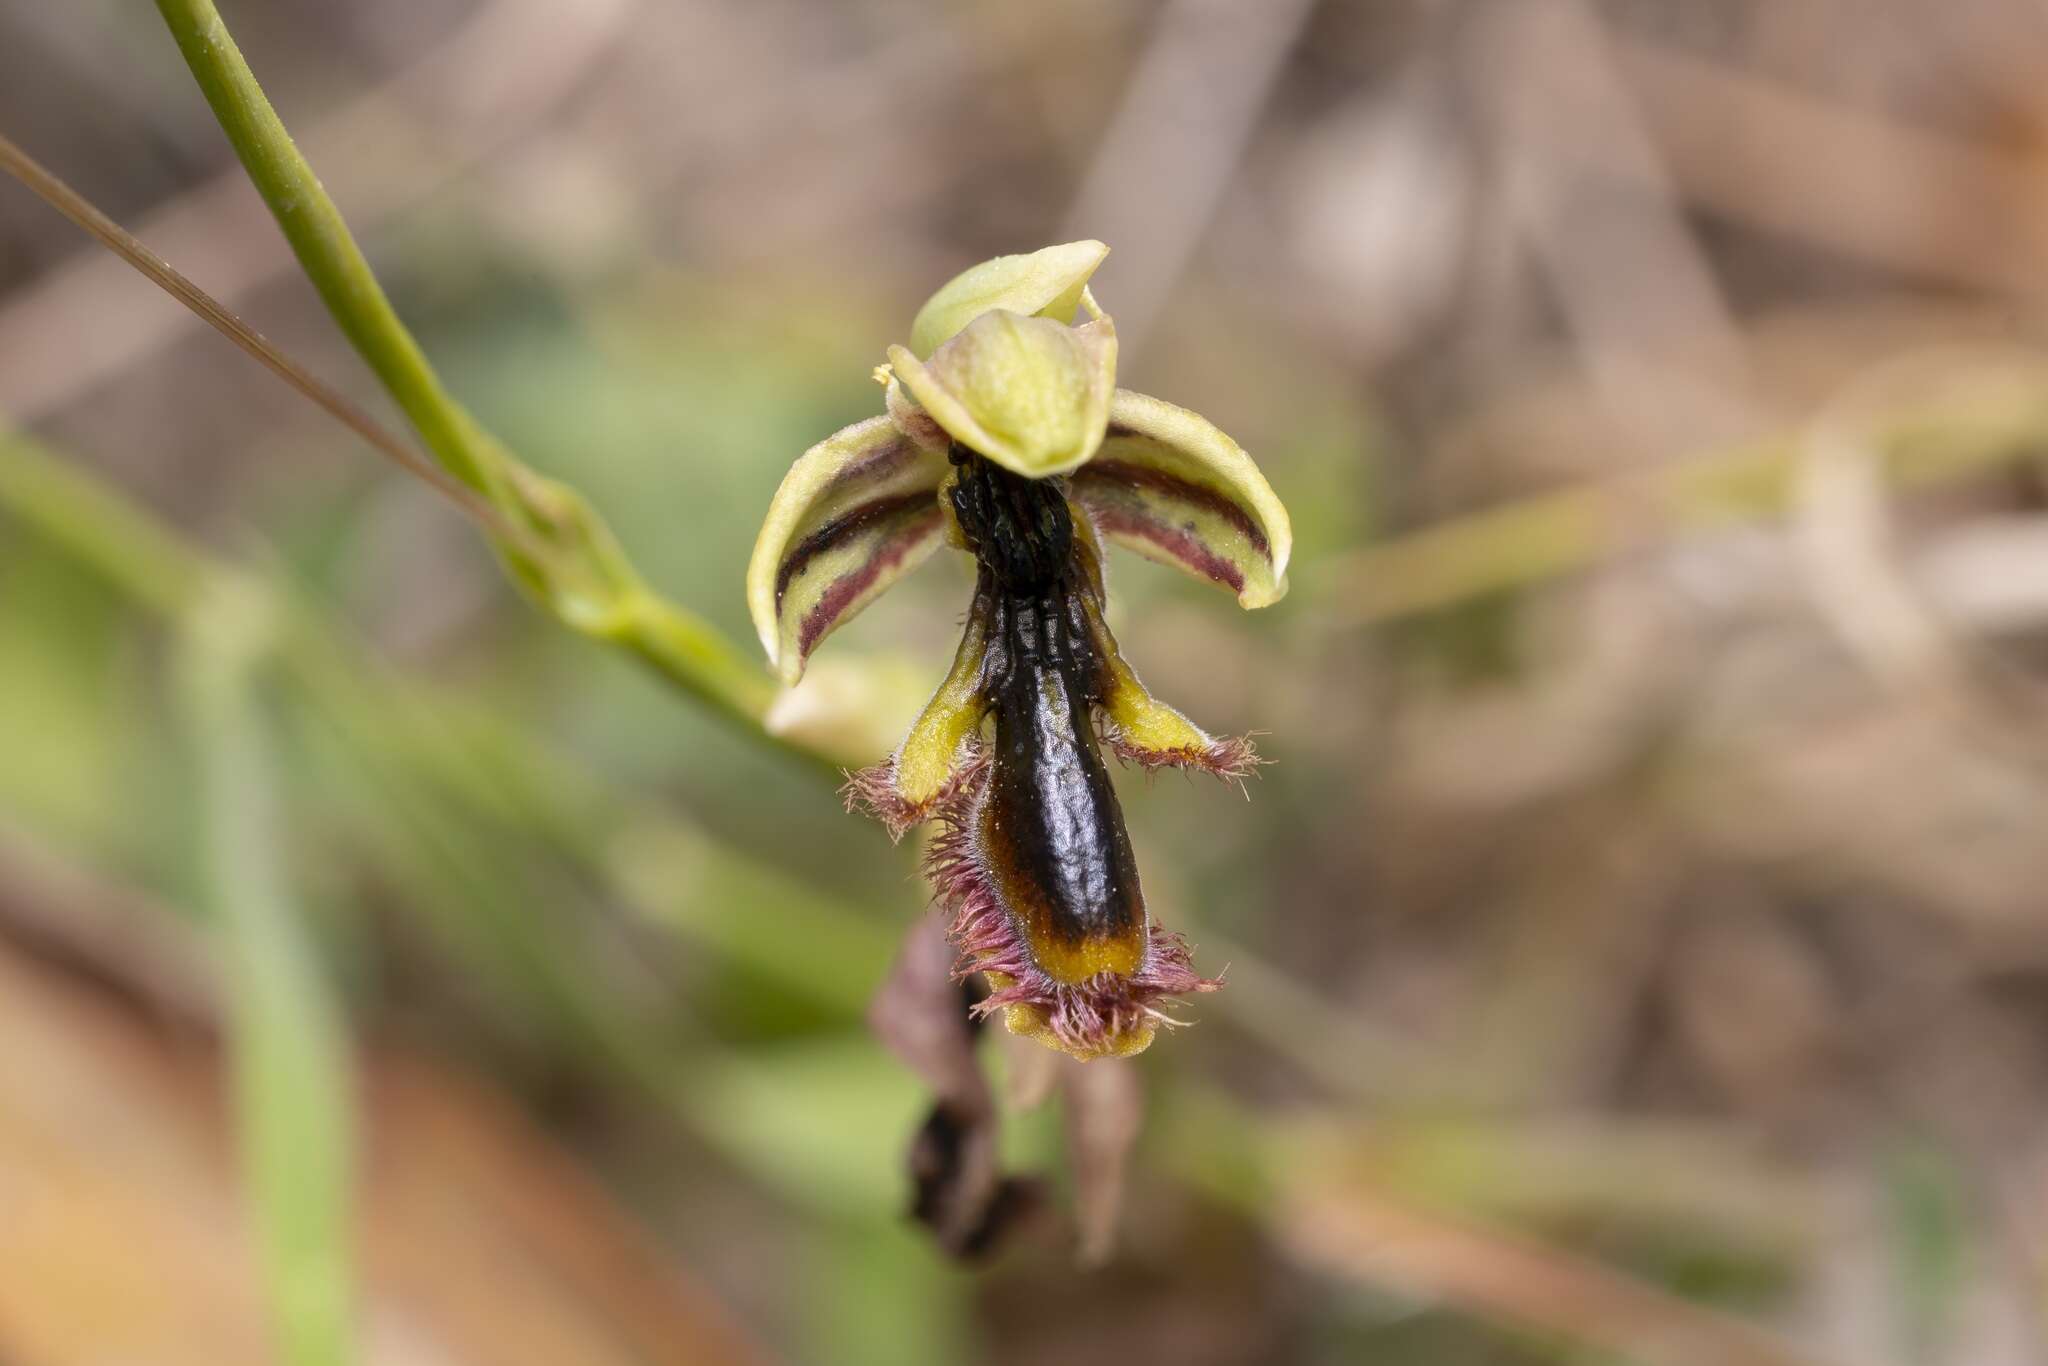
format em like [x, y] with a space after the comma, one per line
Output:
[293, 1091]
[321, 241]
[585, 579]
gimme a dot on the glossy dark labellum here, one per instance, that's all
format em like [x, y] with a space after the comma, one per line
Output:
[1034, 861]
[1049, 825]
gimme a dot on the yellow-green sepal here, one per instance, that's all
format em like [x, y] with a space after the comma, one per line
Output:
[1046, 283]
[1169, 485]
[855, 513]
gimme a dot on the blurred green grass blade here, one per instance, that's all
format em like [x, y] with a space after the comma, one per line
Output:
[474, 901]
[291, 1078]
[789, 933]
[1995, 420]
[433, 756]
[131, 547]
[1926, 1205]
[438, 783]
[815, 1120]
[415, 757]
[877, 1297]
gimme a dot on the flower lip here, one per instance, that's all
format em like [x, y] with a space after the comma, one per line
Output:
[1106, 1013]
[1034, 861]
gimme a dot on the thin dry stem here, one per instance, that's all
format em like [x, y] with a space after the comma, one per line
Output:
[74, 206]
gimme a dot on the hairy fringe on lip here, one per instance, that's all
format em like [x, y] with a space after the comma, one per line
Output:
[873, 792]
[1233, 759]
[1087, 1019]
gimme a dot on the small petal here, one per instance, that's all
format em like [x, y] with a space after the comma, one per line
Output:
[1045, 284]
[1167, 484]
[1138, 727]
[930, 758]
[935, 759]
[1031, 394]
[1145, 731]
[855, 513]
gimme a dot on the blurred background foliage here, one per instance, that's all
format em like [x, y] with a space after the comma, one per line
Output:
[1635, 949]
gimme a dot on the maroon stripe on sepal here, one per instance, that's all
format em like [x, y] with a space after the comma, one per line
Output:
[849, 523]
[1134, 475]
[848, 587]
[1181, 545]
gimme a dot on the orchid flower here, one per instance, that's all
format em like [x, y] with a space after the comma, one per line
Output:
[1005, 437]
